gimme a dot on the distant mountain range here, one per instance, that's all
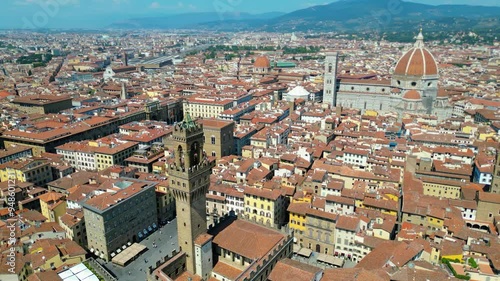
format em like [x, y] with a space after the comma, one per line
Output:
[344, 15]
[191, 20]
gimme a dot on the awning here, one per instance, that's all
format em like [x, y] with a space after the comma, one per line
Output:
[128, 254]
[330, 260]
[124, 247]
[113, 254]
[129, 243]
[305, 252]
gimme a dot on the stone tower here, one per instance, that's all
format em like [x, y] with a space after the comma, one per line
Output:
[189, 180]
[123, 92]
[495, 183]
[330, 79]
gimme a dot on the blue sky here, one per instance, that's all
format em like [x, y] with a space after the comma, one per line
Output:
[99, 13]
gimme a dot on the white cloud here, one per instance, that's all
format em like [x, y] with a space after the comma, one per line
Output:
[155, 5]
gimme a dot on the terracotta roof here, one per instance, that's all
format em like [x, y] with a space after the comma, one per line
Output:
[262, 62]
[292, 270]
[226, 270]
[4, 94]
[247, 239]
[416, 62]
[354, 274]
[347, 223]
[397, 253]
[202, 239]
[273, 194]
[51, 197]
[46, 275]
[214, 123]
[412, 95]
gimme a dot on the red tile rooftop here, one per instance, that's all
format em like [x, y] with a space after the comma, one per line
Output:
[107, 200]
[214, 123]
[248, 240]
[41, 99]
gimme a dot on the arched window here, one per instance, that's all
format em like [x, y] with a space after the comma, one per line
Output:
[330, 68]
[213, 140]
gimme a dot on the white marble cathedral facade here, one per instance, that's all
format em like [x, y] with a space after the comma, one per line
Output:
[413, 87]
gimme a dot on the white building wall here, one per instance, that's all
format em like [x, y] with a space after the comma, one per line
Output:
[468, 214]
[204, 260]
[355, 159]
[485, 178]
[327, 191]
[338, 208]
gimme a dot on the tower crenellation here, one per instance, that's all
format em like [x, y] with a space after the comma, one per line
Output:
[189, 180]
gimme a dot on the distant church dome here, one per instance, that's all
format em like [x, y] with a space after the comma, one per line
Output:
[412, 95]
[418, 61]
[262, 62]
[299, 91]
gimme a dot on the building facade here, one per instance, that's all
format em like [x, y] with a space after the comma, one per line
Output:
[416, 71]
[105, 215]
[218, 137]
[34, 170]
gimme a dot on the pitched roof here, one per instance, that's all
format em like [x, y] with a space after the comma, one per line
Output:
[292, 270]
[247, 239]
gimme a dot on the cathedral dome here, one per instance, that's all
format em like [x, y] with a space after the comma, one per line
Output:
[418, 61]
[262, 62]
[412, 95]
[299, 92]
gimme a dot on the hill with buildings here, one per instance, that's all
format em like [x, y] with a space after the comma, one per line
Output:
[359, 16]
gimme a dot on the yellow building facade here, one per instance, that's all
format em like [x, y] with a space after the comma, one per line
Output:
[265, 206]
[442, 190]
[297, 216]
[37, 171]
[53, 205]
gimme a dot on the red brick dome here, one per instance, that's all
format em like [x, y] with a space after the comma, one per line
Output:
[262, 62]
[412, 95]
[4, 94]
[418, 61]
